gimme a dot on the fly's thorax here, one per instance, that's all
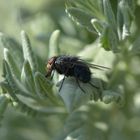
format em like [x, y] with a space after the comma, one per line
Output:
[64, 65]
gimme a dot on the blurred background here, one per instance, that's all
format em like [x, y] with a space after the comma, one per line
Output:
[39, 19]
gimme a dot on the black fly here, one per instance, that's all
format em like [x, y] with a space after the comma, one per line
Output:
[72, 66]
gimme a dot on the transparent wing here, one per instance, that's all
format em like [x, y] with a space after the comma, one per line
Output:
[95, 66]
[84, 63]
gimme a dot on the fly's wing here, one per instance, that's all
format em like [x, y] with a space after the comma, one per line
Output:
[95, 66]
[83, 63]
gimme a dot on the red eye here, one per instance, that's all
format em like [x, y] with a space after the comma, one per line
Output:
[49, 66]
[51, 61]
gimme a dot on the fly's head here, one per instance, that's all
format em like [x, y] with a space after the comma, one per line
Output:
[50, 65]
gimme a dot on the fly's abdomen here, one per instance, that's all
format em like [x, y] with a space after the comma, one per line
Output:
[82, 73]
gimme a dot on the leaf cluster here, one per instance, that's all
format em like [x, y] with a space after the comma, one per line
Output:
[92, 115]
[99, 17]
[23, 85]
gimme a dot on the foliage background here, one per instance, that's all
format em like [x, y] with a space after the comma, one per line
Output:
[98, 120]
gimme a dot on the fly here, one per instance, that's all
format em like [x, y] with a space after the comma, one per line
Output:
[72, 66]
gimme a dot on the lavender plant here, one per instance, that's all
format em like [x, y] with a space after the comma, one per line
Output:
[98, 113]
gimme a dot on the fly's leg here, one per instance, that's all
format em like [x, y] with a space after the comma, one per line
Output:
[62, 83]
[93, 85]
[92, 96]
[63, 79]
[79, 85]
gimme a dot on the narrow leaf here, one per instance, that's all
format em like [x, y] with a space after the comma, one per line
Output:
[27, 51]
[54, 44]
[98, 26]
[109, 14]
[14, 48]
[13, 66]
[92, 7]
[27, 77]
[15, 84]
[44, 87]
[14, 90]
[109, 39]
[3, 105]
[81, 17]
[124, 16]
[21, 105]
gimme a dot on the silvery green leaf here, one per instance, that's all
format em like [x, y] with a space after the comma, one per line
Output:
[14, 83]
[124, 16]
[98, 26]
[3, 69]
[54, 44]
[12, 63]
[16, 90]
[44, 87]
[109, 96]
[83, 11]
[27, 77]
[3, 104]
[17, 102]
[27, 51]
[109, 14]
[75, 96]
[81, 17]
[14, 48]
[31, 106]
[109, 39]
[92, 7]
[3, 90]
[105, 24]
